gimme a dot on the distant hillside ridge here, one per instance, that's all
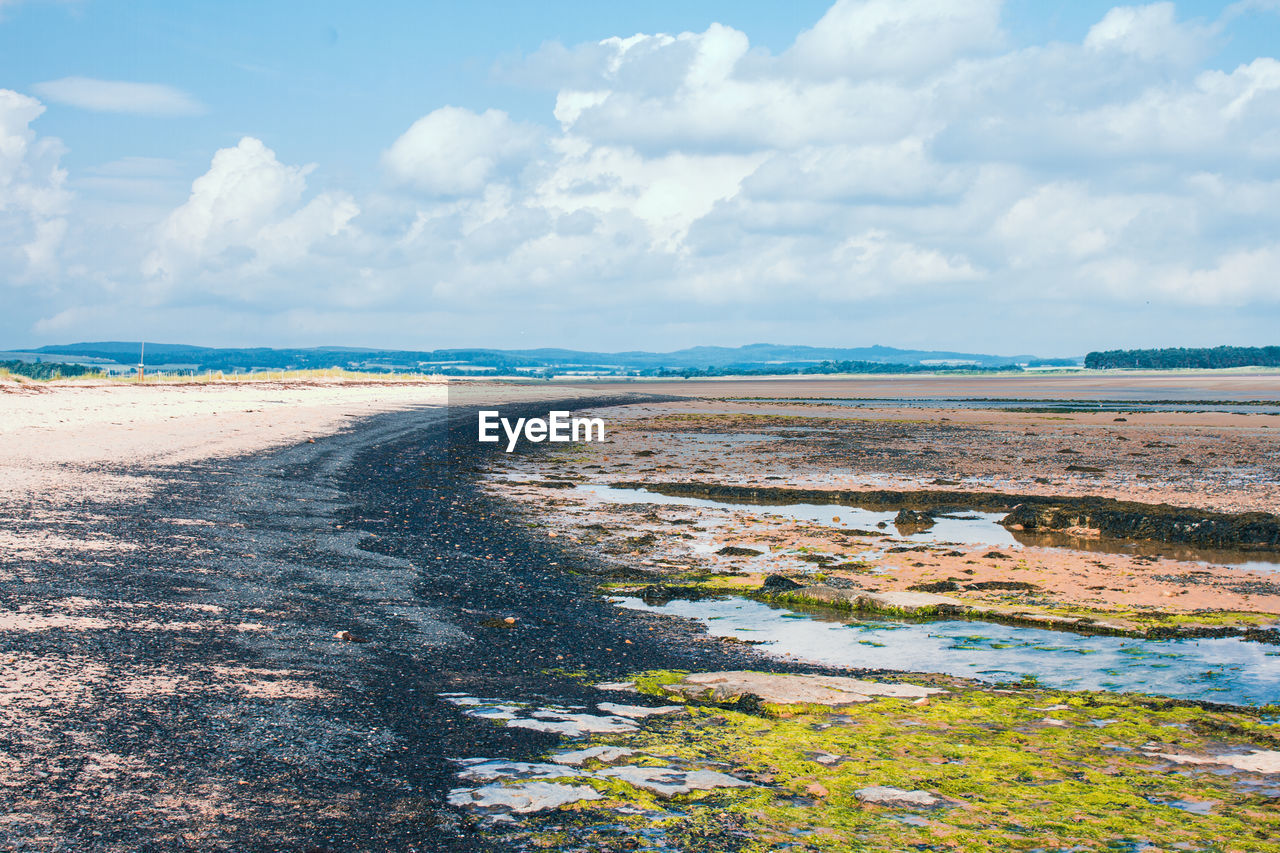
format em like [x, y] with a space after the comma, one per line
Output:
[753, 358]
[1181, 357]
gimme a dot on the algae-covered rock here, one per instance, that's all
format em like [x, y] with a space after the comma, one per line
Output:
[669, 782]
[778, 583]
[913, 519]
[790, 689]
[910, 602]
[738, 551]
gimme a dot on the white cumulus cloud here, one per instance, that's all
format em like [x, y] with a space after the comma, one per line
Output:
[33, 197]
[245, 213]
[454, 151]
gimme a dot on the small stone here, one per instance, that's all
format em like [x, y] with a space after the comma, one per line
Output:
[510, 620]
[348, 637]
[816, 789]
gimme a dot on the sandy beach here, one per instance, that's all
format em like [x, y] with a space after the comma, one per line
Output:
[320, 617]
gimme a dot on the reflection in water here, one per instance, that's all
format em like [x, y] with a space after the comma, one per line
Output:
[965, 528]
[1219, 670]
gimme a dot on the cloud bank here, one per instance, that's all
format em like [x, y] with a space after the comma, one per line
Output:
[902, 173]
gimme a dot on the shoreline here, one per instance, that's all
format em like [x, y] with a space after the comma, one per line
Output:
[204, 671]
[280, 658]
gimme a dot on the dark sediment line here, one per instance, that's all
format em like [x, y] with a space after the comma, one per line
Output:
[1113, 518]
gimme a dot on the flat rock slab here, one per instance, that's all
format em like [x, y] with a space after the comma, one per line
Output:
[791, 689]
[523, 798]
[911, 602]
[669, 782]
[573, 725]
[638, 712]
[1259, 761]
[603, 754]
[901, 601]
[489, 769]
[884, 795]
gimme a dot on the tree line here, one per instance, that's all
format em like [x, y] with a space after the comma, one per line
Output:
[46, 369]
[1203, 358]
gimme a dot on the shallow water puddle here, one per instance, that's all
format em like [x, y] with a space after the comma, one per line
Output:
[1220, 670]
[968, 527]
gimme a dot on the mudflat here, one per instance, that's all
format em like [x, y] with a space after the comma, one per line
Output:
[1135, 385]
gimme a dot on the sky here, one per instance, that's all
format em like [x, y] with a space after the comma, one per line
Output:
[1026, 176]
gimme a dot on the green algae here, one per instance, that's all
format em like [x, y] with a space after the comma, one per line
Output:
[1025, 768]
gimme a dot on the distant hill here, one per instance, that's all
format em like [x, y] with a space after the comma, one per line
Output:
[752, 358]
[1179, 357]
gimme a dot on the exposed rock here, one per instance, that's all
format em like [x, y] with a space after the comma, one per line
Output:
[790, 689]
[936, 586]
[573, 725]
[638, 712]
[737, 551]
[624, 686]
[1012, 586]
[913, 519]
[826, 594]
[489, 769]
[523, 798]
[603, 754]
[659, 593]
[668, 782]
[883, 795]
[778, 583]
[911, 602]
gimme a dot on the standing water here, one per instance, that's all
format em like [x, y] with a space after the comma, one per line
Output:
[1225, 670]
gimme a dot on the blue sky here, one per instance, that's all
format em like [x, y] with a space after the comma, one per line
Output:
[1022, 176]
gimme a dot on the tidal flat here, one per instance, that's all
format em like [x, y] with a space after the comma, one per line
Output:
[1097, 592]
